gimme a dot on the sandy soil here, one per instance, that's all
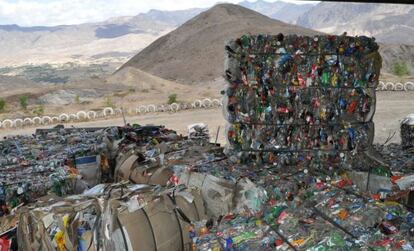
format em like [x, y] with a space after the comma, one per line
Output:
[391, 108]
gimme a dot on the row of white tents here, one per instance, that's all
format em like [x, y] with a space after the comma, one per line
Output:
[391, 86]
[108, 112]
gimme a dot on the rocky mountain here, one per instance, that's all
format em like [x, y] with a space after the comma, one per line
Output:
[389, 23]
[193, 53]
[86, 43]
[283, 11]
[397, 53]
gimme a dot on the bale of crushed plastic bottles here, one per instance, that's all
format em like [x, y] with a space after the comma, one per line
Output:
[292, 93]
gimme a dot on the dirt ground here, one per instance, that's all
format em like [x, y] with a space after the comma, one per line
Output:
[391, 108]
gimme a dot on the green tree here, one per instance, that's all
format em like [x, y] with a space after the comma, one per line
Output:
[400, 69]
[23, 100]
[172, 98]
[2, 105]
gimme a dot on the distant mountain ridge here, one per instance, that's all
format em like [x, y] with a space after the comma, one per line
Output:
[388, 23]
[283, 11]
[104, 42]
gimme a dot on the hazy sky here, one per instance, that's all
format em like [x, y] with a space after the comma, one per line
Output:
[55, 12]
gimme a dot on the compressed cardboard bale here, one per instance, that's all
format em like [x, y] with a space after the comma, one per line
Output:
[121, 216]
[222, 196]
[161, 224]
[131, 169]
[217, 193]
[133, 231]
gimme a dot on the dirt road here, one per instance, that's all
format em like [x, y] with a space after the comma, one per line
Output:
[391, 107]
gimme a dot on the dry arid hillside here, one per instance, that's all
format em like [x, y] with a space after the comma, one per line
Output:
[194, 52]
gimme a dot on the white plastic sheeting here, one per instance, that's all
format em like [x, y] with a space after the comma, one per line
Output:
[174, 107]
[151, 108]
[381, 86]
[37, 120]
[389, 86]
[18, 123]
[108, 111]
[398, 87]
[46, 120]
[81, 115]
[72, 117]
[64, 117]
[207, 103]
[7, 123]
[28, 121]
[55, 119]
[91, 115]
[142, 109]
[217, 102]
[197, 103]
[162, 108]
[409, 86]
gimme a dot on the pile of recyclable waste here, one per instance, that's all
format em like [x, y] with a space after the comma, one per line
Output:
[62, 161]
[30, 166]
[171, 192]
[299, 172]
[407, 132]
[305, 211]
[399, 159]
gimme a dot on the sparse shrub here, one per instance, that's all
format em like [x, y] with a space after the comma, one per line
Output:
[145, 91]
[131, 90]
[77, 99]
[38, 111]
[2, 105]
[109, 102]
[172, 98]
[23, 100]
[400, 69]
